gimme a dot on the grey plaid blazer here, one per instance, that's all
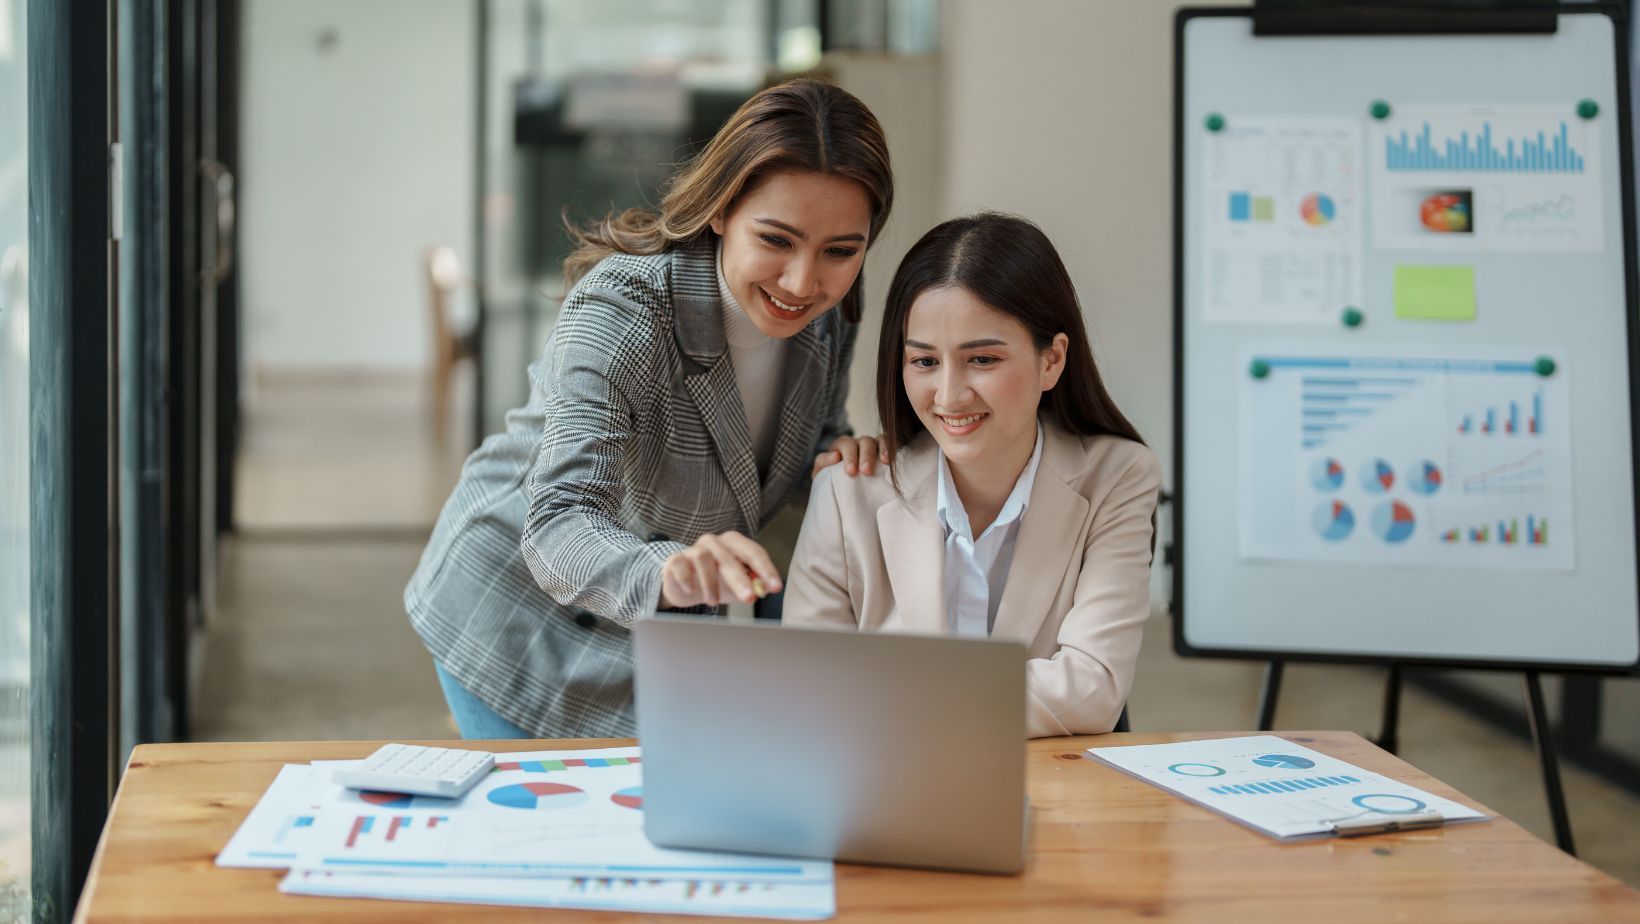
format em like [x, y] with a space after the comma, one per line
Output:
[634, 427]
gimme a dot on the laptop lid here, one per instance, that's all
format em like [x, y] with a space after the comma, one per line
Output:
[872, 748]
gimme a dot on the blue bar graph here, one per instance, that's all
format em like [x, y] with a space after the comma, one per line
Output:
[1280, 787]
[1533, 155]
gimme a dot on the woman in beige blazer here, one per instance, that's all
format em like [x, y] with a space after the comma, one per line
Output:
[1021, 502]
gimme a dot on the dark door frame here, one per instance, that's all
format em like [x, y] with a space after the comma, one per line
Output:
[152, 710]
[73, 530]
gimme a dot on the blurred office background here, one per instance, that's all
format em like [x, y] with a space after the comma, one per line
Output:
[339, 248]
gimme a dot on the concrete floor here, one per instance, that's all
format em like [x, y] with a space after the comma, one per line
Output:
[311, 640]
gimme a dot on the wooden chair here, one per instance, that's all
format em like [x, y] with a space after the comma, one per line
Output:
[441, 271]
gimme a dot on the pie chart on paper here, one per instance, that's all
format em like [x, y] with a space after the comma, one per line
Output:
[1284, 761]
[1327, 474]
[1393, 522]
[1377, 476]
[1427, 478]
[538, 796]
[1333, 520]
[1318, 209]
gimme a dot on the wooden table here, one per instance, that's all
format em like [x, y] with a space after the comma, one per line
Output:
[1105, 847]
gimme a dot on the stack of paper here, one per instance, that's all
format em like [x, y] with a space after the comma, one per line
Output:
[545, 828]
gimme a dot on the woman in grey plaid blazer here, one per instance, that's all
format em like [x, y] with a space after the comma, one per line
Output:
[644, 459]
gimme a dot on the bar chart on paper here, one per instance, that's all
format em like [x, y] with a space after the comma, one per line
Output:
[1530, 152]
[1427, 458]
[1505, 178]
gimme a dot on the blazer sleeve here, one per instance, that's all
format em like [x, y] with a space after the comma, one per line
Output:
[597, 380]
[1081, 689]
[817, 586]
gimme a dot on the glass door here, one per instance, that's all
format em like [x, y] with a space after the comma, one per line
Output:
[14, 467]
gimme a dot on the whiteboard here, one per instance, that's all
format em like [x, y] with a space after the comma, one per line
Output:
[1450, 480]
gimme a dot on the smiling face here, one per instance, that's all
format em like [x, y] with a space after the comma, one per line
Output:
[975, 378]
[793, 244]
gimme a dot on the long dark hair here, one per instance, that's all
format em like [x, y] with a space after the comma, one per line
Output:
[806, 124]
[1009, 264]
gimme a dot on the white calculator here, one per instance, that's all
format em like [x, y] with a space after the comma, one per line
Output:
[421, 771]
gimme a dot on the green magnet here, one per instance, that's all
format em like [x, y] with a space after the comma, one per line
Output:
[1260, 369]
[1215, 122]
[1380, 109]
[1353, 317]
[1588, 109]
[1544, 366]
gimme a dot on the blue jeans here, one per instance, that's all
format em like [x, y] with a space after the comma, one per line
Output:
[475, 719]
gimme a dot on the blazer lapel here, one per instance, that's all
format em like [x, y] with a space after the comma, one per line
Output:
[708, 374]
[914, 545]
[1046, 544]
[800, 410]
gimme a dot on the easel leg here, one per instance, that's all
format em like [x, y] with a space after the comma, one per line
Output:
[1543, 738]
[1272, 691]
[1387, 734]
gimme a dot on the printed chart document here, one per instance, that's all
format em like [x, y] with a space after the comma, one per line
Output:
[545, 828]
[567, 813]
[797, 901]
[1275, 786]
[272, 835]
[1428, 456]
[1499, 178]
[1284, 229]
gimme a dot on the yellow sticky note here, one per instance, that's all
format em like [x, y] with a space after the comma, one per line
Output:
[1435, 293]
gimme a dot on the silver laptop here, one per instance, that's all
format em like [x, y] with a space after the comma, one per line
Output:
[871, 748]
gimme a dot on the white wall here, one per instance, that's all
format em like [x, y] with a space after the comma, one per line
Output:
[1061, 110]
[358, 138]
[902, 91]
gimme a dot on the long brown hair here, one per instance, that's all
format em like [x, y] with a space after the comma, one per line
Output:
[804, 124]
[1009, 264]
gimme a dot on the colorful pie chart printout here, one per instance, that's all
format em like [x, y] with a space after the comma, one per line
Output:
[1318, 209]
[539, 795]
[631, 797]
[1334, 520]
[1327, 474]
[1393, 521]
[1426, 478]
[1377, 476]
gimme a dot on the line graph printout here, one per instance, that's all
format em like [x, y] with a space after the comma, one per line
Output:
[1283, 220]
[1275, 786]
[1439, 458]
[1501, 178]
[803, 901]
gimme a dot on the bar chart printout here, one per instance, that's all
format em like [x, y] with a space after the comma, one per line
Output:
[1531, 153]
[1424, 458]
[1522, 178]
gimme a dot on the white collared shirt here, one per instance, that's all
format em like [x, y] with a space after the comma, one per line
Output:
[976, 569]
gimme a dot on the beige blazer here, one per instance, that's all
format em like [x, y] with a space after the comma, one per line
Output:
[1078, 590]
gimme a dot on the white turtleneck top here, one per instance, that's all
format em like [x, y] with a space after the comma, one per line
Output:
[757, 359]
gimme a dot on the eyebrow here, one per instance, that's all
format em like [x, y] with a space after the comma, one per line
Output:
[970, 345]
[803, 237]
